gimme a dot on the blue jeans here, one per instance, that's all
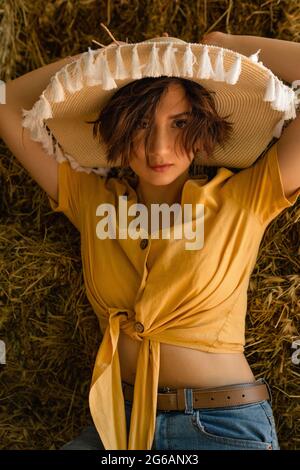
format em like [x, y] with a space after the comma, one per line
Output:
[242, 427]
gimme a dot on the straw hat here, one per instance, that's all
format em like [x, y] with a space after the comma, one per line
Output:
[258, 101]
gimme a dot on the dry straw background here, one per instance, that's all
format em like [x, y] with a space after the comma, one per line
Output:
[49, 328]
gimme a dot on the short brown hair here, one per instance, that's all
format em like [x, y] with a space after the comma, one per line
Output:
[119, 118]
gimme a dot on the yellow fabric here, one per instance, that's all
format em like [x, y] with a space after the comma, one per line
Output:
[190, 298]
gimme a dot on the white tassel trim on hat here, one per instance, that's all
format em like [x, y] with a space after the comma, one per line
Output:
[41, 110]
[205, 70]
[282, 98]
[35, 128]
[188, 61]
[40, 134]
[45, 109]
[59, 154]
[77, 80]
[278, 128]
[72, 83]
[57, 89]
[169, 61]
[136, 72]
[296, 91]
[29, 120]
[38, 131]
[270, 94]
[219, 75]
[65, 157]
[121, 72]
[108, 82]
[66, 78]
[47, 142]
[61, 157]
[234, 72]
[95, 72]
[88, 63]
[153, 68]
[254, 57]
[75, 166]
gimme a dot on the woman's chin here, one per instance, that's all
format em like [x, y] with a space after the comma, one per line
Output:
[160, 180]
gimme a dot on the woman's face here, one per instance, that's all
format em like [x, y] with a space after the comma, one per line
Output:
[167, 128]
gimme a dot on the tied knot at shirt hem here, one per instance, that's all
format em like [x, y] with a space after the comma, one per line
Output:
[106, 397]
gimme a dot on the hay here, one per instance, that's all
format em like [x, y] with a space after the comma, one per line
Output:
[49, 328]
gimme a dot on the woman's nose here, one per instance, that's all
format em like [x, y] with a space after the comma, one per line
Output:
[160, 141]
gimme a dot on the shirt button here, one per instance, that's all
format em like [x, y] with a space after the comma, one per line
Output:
[122, 313]
[139, 327]
[144, 243]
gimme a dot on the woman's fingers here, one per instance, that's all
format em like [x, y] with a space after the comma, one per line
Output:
[214, 38]
[113, 44]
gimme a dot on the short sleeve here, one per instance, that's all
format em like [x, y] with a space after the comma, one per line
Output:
[259, 188]
[69, 191]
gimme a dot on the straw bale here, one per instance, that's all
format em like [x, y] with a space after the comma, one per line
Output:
[49, 328]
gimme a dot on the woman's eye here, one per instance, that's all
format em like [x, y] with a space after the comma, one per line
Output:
[180, 121]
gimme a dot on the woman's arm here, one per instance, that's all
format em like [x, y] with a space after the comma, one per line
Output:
[23, 92]
[282, 57]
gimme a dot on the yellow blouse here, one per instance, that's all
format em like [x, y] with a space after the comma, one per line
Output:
[194, 298]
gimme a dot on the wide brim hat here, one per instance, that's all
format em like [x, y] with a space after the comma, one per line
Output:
[257, 101]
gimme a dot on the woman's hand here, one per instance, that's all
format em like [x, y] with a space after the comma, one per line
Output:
[216, 38]
[113, 44]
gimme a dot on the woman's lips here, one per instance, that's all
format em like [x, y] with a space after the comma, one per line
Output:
[161, 167]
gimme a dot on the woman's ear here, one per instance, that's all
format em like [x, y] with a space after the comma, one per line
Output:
[197, 153]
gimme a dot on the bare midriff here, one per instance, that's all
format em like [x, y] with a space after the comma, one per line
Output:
[185, 367]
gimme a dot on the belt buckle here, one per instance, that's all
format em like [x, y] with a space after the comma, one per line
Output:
[164, 389]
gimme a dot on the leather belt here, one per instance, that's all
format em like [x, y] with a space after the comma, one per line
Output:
[232, 395]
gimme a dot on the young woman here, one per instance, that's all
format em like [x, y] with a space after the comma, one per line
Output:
[172, 314]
